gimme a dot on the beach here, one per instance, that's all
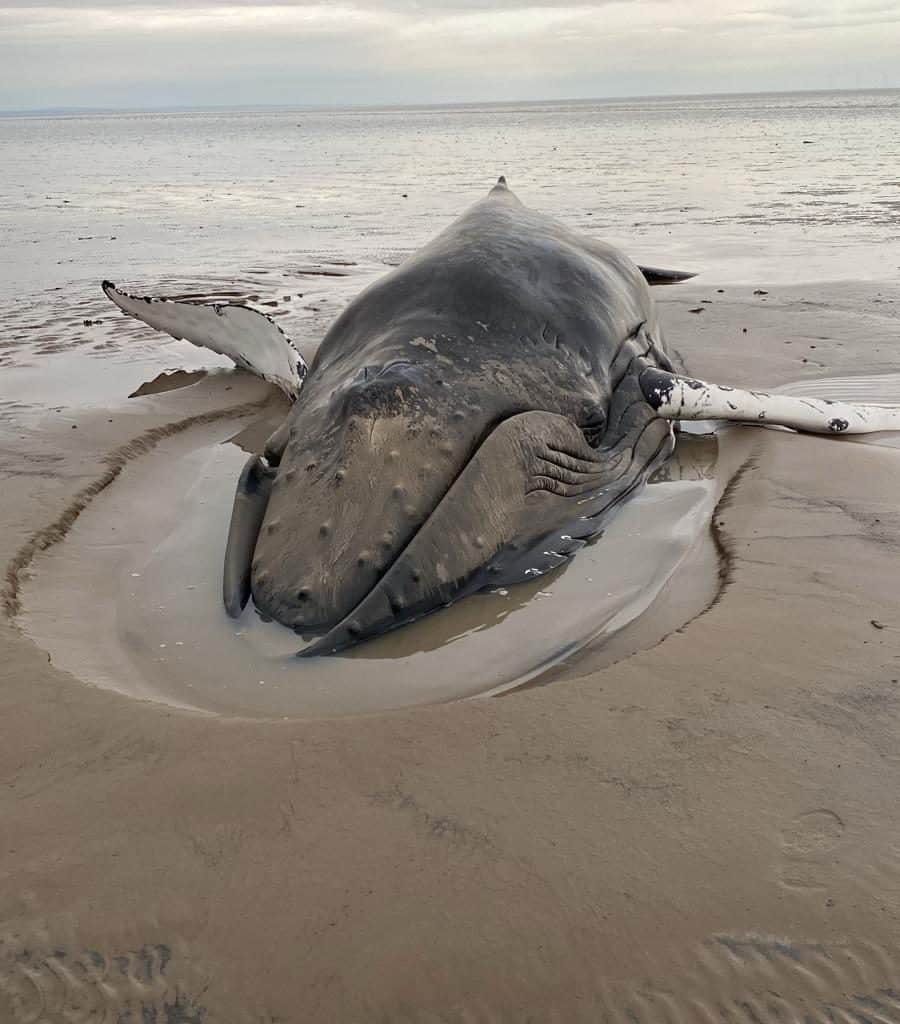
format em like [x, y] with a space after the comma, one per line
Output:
[705, 830]
[610, 797]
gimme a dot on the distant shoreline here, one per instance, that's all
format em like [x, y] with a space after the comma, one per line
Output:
[79, 111]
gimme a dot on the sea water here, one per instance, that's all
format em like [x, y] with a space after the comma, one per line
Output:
[775, 187]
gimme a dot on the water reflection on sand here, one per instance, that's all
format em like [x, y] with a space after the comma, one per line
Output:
[131, 599]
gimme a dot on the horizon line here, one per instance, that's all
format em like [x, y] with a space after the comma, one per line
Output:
[79, 109]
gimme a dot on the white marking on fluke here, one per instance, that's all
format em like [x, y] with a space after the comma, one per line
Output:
[248, 337]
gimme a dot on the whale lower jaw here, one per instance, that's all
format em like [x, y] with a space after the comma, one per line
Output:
[530, 496]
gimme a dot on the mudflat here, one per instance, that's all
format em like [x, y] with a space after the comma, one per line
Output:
[706, 829]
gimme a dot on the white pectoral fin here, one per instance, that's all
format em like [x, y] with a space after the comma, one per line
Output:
[253, 340]
[683, 398]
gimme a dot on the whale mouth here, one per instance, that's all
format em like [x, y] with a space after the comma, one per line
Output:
[343, 505]
[528, 498]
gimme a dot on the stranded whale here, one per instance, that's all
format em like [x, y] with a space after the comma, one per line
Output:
[470, 419]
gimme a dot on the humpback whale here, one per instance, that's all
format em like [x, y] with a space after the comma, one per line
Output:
[470, 419]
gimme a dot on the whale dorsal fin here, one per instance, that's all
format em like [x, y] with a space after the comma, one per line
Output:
[657, 275]
[253, 340]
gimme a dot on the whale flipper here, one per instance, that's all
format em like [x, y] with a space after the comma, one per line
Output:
[250, 501]
[684, 398]
[253, 340]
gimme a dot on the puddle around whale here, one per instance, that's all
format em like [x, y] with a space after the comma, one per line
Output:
[131, 598]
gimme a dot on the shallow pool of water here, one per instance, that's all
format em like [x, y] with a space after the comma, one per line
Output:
[131, 599]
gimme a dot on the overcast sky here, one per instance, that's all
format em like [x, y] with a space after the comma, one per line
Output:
[204, 52]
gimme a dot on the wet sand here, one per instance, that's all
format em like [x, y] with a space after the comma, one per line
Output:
[706, 830]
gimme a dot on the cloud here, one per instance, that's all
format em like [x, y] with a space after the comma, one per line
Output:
[203, 51]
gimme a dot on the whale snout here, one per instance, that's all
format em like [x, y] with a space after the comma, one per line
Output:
[346, 501]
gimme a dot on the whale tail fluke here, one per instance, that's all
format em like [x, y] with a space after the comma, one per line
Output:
[248, 337]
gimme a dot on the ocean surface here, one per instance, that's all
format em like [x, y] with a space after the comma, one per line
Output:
[298, 208]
